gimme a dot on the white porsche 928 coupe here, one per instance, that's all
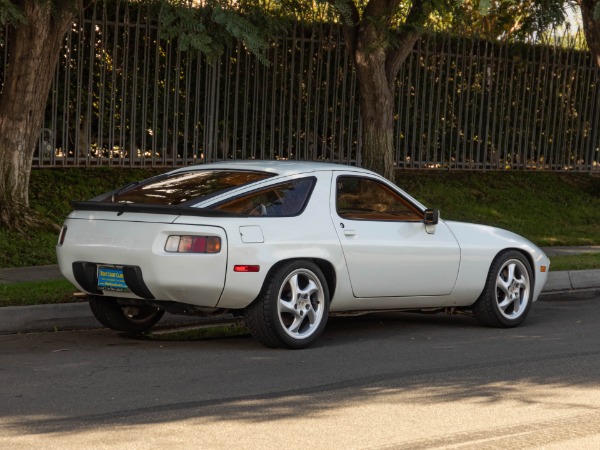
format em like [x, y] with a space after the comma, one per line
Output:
[284, 244]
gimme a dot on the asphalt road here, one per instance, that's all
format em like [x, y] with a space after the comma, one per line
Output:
[379, 381]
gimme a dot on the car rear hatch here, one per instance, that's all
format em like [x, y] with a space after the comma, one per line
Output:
[128, 246]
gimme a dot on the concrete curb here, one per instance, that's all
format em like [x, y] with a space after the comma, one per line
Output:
[572, 279]
[77, 316]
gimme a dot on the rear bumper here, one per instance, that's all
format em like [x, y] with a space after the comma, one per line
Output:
[86, 274]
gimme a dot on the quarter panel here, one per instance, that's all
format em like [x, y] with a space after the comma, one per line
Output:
[309, 235]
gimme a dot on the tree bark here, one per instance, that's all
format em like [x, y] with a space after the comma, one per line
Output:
[34, 51]
[377, 68]
[377, 61]
[376, 100]
[591, 28]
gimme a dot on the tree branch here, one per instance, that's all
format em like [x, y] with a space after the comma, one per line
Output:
[408, 35]
[350, 18]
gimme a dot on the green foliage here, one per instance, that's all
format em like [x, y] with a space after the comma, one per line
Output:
[10, 14]
[344, 10]
[213, 25]
[484, 7]
[507, 19]
[253, 30]
[186, 24]
[491, 19]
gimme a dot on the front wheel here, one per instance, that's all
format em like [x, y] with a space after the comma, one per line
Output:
[129, 318]
[506, 298]
[292, 309]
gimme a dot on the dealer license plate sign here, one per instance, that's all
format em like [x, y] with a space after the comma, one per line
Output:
[111, 278]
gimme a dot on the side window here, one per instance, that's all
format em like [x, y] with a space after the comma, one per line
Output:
[282, 200]
[365, 199]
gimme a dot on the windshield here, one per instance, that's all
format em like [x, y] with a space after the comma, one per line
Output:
[185, 187]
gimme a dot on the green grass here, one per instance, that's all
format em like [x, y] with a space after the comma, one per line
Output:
[33, 249]
[584, 261]
[547, 208]
[52, 190]
[37, 293]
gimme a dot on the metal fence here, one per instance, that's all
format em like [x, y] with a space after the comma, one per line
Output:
[124, 97]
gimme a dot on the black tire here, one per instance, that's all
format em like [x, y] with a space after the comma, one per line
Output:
[507, 296]
[277, 319]
[131, 319]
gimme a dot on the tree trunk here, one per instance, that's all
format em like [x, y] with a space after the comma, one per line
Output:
[34, 51]
[591, 28]
[377, 66]
[377, 115]
[378, 50]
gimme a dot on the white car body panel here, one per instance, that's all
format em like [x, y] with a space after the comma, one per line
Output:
[479, 246]
[399, 259]
[395, 258]
[188, 278]
[405, 267]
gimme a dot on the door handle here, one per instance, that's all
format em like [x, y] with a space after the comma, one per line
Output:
[350, 232]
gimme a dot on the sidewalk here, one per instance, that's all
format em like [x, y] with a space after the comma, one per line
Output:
[35, 273]
[71, 316]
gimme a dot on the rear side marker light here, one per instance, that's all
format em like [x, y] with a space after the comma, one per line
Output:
[246, 268]
[193, 244]
[61, 236]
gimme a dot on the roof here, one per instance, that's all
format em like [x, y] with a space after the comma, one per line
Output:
[278, 167]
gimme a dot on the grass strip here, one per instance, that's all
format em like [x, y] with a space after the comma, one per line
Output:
[584, 261]
[37, 293]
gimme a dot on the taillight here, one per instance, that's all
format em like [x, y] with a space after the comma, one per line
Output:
[61, 236]
[193, 244]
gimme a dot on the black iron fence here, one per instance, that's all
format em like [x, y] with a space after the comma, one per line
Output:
[124, 97]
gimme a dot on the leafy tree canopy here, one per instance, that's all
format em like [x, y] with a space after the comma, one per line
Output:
[209, 26]
[508, 19]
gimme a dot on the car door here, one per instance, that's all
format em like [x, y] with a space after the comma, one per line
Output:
[388, 249]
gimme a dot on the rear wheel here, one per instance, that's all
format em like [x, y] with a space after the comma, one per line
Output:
[293, 307]
[506, 299]
[129, 318]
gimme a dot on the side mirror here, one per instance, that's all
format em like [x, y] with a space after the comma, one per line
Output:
[431, 216]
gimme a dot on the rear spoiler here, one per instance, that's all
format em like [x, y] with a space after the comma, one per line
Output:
[121, 208]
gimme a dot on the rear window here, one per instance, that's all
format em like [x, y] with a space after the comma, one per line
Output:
[185, 187]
